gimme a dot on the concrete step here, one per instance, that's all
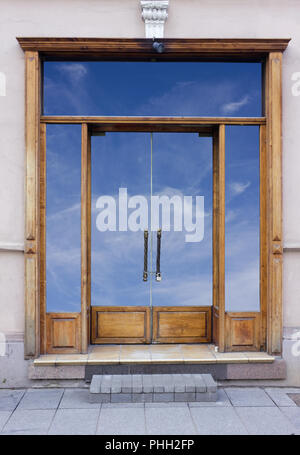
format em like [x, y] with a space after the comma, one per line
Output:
[142, 388]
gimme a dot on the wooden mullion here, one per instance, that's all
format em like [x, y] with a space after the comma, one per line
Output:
[215, 319]
[141, 48]
[32, 115]
[89, 228]
[263, 236]
[43, 183]
[84, 237]
[219, 237]
[274, 201]
[110, 121]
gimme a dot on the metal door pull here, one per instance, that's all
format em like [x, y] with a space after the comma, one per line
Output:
[145, 274]
[158, 274]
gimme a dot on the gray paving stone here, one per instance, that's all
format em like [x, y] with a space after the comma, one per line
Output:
[126, 383]
[211, 385]
[293, 414]
[217, 421]
[199, 383]
[121, 421]
[179, 385]
[122, 405]
[75, 422]
[158, 384]
[222, 400]
[77, 399]
[185, 396]
[206, 397]
[280, 397]
[41, 399]
[248, 396]
[160, 420]
[265, 421]
[121, 398]
[168, 383]
[9, 399]
[99, 398]
[189, 383]
[142, 397]
[96, 383]
[147, 383]
[137, 384]
[4, 416]
[105, 386]
[33, 421]
[171, 404]
[163, 397]
[116, 384]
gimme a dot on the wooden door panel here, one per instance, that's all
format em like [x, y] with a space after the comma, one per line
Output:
[243, 331]
[120, 325]
[63, 333]
[181, 324]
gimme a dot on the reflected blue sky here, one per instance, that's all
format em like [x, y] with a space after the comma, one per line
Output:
[152, 88]
[242, 218]
[182, 164]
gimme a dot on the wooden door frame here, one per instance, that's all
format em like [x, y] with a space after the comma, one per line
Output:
[268, 51]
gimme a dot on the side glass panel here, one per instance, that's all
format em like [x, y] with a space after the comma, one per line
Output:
[182, 179]
[242, 225]
[152, 88]
[120, 164]
[63, 196]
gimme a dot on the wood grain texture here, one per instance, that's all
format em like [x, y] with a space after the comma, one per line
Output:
[205, 131]
[31, 305]
[219, 237]
[215, 319]
[89, 235]
[181, 49]
[106, 123]
[274, 200]
[85, 236]
[243, 331]
[32, 115]
[112, 48]
[63, 333]
[263, 236]
[186, 324]
[120, 325]
[42, 214]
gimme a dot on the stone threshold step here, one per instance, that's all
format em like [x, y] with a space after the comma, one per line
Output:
[142, 388]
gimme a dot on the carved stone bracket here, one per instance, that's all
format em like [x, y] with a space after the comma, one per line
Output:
[154, 14]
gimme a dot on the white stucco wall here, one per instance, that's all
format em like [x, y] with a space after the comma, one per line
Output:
[122, 18]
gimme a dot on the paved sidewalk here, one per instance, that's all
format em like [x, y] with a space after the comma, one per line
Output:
[237, 411]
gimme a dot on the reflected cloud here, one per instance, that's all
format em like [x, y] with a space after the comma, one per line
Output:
[238, 187]
[74, 71]
[233, 107]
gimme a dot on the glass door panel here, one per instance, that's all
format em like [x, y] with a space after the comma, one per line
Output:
[120, 170]
[151, 238]
[242, 221]
[63, 168]
[182, 180]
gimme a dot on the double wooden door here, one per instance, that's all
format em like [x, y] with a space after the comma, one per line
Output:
[152, 216]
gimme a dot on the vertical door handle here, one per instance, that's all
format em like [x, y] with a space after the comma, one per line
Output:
[145, 274]
[158, 274]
